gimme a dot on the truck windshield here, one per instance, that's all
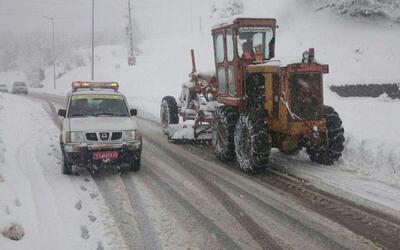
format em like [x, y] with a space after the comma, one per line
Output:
[97, 105]
[306, 95]
[255, 43]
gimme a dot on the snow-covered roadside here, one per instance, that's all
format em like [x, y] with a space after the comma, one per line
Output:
[372, 147]
[55, 211]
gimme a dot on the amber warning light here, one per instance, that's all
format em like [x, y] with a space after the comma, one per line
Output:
[94, 85]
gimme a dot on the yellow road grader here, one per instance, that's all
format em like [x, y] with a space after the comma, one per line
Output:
[252, 103]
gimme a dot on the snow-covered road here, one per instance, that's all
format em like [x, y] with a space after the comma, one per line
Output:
[181, 198]
[55, 211]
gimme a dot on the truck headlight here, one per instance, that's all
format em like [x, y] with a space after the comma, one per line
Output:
[75, 137]
[129, 135]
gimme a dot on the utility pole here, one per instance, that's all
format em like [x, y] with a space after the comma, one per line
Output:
[53, 49]
[92, 40]
[131, 56]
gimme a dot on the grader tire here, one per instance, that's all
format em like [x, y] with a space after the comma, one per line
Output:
[252, 142]
[169, 111]
[223, 133]
[331, 151]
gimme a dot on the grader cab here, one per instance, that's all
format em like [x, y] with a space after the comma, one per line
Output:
[263, 105]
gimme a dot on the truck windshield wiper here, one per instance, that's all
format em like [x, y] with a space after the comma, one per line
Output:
[105, 113]
[77, 115]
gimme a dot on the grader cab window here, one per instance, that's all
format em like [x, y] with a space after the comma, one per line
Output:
[229, 45]
[219, 48]
[306, 99]
[255, 43]
[231, 81]
[221, 79]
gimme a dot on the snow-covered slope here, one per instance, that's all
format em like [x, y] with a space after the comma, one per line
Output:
[358, 51]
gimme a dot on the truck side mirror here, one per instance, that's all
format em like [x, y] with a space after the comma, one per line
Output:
[62, 112]
[133, 112]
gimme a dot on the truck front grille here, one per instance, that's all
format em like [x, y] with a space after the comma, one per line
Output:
[103, 136]
[116, 135]
[91, 136]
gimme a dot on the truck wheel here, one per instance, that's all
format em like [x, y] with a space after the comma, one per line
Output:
[332, 150]
[252, 142]
[224, 132]
[66, 167]
[135, 164]
[169, 111]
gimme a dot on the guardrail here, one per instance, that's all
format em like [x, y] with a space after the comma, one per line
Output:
[367, 90]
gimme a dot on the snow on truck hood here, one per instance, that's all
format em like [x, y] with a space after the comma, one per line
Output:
[102, 124]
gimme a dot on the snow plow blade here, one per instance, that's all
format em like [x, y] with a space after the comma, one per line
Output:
[185, 133]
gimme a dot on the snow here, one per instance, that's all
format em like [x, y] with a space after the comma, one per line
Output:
[357, 51]
[373, 9]
[35, 195]
[10, 77]
[184, 131]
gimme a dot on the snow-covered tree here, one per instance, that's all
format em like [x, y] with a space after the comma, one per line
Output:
[8, 51]
[371, 9]
[226, 8]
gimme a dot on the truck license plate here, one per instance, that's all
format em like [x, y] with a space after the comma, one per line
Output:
[105, 155]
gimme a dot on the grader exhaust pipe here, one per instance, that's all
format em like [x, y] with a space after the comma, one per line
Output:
[194, 70]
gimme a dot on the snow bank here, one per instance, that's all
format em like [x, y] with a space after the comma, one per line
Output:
[372, 147]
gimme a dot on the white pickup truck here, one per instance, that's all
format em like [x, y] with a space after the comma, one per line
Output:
[98, 128]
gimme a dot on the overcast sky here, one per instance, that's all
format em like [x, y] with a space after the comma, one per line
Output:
[70, 15]
[74, 16]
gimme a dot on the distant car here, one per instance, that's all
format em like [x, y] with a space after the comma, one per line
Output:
[3, 88]
[19, 88]
[98, 128]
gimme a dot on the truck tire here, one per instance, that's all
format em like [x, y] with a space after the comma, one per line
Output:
[66, 166]
[224, 132]
[332, 149]
[135, 164]
[169, 111]
[252, 142]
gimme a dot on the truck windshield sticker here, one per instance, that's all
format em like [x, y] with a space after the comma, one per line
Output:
[254, 29]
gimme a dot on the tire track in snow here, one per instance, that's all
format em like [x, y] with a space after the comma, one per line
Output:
[150, 240]
[258, 233]
[117, 199]
[225, 241]
[205, 169]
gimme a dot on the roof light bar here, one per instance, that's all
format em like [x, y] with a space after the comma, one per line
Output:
[94, 85]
